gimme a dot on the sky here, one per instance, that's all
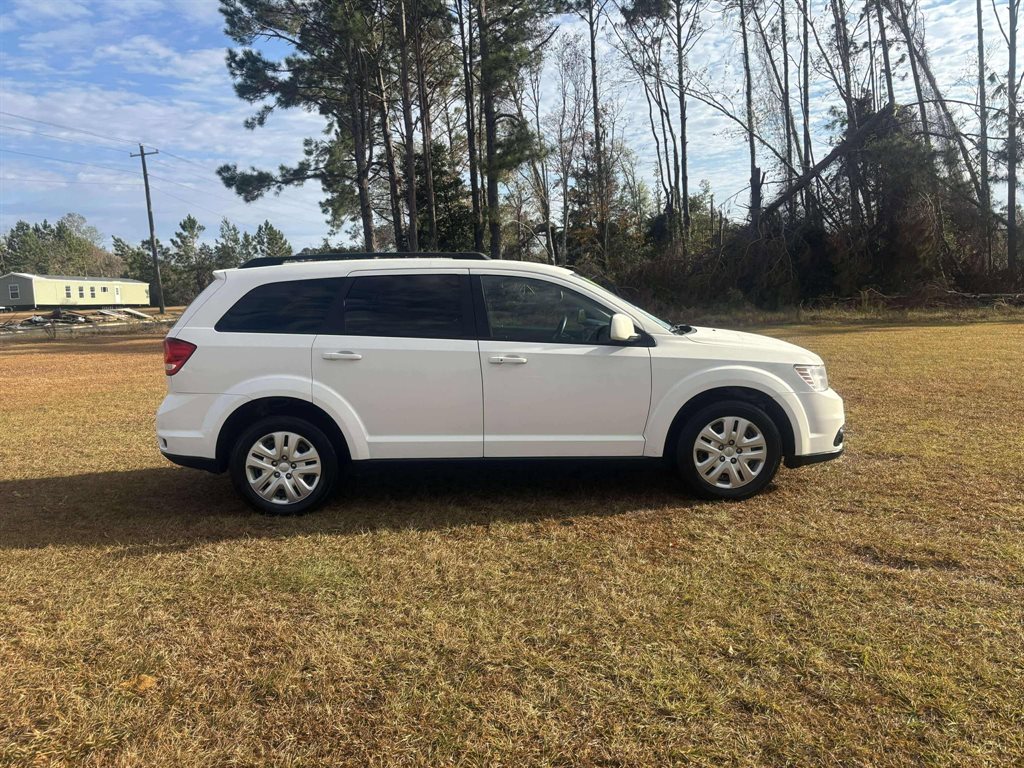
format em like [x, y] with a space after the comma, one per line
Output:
[82, 83]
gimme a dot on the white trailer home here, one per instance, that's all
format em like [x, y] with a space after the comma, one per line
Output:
[21, 290]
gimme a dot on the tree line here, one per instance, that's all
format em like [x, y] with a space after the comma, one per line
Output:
[442, 134]
[73, 247]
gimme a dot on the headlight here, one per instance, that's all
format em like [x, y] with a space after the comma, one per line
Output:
[814, 376]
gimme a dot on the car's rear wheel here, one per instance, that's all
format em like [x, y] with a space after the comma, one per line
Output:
[729, 450]
[284, 465]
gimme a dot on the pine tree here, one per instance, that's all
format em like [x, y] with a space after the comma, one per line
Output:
[228, 247]
[271, 242]
[327, 69]
[193, 260]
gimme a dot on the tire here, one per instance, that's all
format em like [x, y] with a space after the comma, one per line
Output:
[256, 456]
[746, 465]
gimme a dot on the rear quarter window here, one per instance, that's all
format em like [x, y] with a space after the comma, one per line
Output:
[291, 306]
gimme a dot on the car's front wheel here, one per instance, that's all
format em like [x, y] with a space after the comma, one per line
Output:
[284, 465]
[729, 450]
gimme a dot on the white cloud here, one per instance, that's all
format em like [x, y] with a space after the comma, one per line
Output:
[36, 10]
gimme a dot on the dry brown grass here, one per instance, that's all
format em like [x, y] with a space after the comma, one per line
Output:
[865, 612]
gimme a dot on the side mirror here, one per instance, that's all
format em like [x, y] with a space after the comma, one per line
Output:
[622, 328]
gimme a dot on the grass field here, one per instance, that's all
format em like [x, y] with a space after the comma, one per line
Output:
[864, 612]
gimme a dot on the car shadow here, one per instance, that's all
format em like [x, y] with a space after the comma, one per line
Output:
[169, 508]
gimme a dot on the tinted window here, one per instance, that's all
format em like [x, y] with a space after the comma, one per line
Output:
[416, 306]
[294, 306]
[527, 309]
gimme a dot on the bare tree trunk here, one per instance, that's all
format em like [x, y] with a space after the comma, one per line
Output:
[572, 85]
[787, 112]
[487, 85]
[711, 218]
[884, 40]
[902, 16]
[466, 44]
[410, 144]
[537, 165]
[683, 152]
[427, 128]
[755, 172]
[788, 120]
[986, 192]
[668, 135]
[593, 17]
[389, 159]
[842, 148]
[1012, 92]
[843, 49]
[872, 82]
[917, 54]
[360, 118]
[805, 101]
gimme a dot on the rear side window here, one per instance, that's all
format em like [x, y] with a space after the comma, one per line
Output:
[409, 306]
[293, 306]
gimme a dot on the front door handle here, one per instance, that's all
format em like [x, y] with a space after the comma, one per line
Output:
[510, 359]
[342, 356]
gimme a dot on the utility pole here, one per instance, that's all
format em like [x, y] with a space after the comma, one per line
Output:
[152, 232]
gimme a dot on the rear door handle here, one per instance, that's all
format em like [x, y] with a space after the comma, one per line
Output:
[342, 356]
[510, 359]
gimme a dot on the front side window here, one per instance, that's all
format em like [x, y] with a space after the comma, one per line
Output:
[531, 310]
[14, 290]
[292, 306]
[407, 306]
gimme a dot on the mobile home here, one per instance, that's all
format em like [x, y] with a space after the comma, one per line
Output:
[25, 291]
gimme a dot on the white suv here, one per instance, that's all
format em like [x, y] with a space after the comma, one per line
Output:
[281, 370]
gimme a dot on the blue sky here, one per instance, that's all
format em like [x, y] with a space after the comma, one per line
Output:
[153, 71]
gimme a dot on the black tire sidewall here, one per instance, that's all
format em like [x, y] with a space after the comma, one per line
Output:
[688, 435]
[320, 441]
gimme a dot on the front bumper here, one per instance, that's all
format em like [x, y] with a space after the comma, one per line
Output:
[813, 458]
[816, 417]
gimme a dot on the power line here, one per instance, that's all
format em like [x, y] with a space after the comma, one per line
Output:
[279, 203]
[192, 204]
[111, 138]
[191, 188]
[69, 181]
[70, 162]
[189, 203]
[266, 212]
[67, 128]
[136, 173]
[204, 179]
[227, 198]
[183, 159]
[58, 138]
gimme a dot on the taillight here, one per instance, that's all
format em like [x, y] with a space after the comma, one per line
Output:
[176, 354]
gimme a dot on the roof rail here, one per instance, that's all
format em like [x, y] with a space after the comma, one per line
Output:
[273, 261]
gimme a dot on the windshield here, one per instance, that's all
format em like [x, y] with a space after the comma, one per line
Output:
[666, 325]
